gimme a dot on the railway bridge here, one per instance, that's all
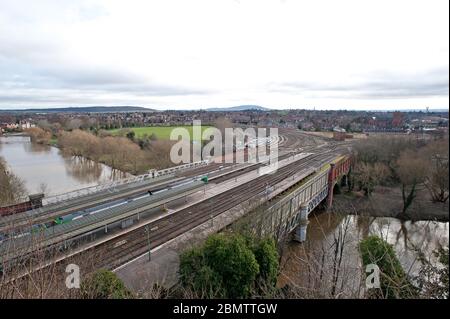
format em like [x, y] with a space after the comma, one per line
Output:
[290, 213]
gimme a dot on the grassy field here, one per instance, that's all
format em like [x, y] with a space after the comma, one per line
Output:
[161, 132]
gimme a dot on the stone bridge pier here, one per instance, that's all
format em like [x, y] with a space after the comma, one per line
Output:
[300, 230]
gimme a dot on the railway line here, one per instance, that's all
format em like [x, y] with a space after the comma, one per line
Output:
[51, 212]
[134, 243]
[104, 215]
[172, 226]
[124, 192]
[293, 139]
[126, 245]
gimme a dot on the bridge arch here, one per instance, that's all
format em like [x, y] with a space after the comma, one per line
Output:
[344, 180]
[338, 177]
[341, 184]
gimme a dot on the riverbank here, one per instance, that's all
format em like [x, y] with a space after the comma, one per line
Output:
[388, 202]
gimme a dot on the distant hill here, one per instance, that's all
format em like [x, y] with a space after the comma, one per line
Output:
[83, 109]
[238, 108]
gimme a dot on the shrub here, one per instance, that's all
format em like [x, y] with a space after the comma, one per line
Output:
[267, 257]
[104, 284]
[228, 265]
[232, 259]
[195, 274]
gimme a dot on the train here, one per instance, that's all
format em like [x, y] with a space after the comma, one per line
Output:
[90, 211]
[60, 220]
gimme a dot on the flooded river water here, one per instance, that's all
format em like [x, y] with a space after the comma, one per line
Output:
[331, 251]
[39, 164]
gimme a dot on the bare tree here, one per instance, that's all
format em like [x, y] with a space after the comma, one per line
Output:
[437, 180]
[368, 175]
[74, 124]
[383, 149]
[411, 170]
[39, 135]
[157, 154]
[43, 189]
[12, 188]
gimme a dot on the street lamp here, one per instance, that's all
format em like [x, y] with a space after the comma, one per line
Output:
[147, 230]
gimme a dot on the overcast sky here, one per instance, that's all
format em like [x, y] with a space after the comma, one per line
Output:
[193, 54]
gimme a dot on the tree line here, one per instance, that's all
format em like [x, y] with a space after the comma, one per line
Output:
[404, 162]
[124, 152]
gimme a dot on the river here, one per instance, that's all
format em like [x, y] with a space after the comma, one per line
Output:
[38, 164]
[309, 266]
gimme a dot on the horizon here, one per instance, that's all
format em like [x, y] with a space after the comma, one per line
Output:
[268, 109]
[187, 55]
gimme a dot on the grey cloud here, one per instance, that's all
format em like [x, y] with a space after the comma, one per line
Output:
[377, 85]
[108, 80]
[63, 98]
[25, 81]
[24, 98]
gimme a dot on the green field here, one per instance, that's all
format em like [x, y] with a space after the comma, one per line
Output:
[161, 132]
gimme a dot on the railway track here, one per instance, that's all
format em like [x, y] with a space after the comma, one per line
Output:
[50, 212]
[24, 220]
[132, 244]
[221, 177]
[135, 243]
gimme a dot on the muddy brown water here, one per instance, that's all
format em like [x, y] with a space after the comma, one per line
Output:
[310, 266]
[39, 164]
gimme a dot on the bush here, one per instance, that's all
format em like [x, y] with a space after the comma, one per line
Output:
[267, 257]
[231, 258]
[130, 135]
[228, 265]
[104, 284]
[196, 275]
